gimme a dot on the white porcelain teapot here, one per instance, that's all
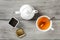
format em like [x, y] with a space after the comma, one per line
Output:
[27, 12]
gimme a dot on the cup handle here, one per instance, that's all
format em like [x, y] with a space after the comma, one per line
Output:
[35, 11]
[17, 12]
[52, 28]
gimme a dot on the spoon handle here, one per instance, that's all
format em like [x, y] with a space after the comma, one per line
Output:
[52, 18]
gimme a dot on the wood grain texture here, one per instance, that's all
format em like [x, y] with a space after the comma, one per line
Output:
[45, 7]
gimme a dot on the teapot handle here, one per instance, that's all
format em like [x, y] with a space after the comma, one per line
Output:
[17, 12]
[35, 11]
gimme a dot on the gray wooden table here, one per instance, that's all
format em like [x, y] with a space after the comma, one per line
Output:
[45, 7]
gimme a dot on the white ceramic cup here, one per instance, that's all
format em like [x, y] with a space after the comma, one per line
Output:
[50, 27]
[27, 12]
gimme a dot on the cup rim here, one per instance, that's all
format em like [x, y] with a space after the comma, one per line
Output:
[49, 26]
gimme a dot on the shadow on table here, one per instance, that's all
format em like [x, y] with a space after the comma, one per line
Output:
[20, 25]
[36, 16]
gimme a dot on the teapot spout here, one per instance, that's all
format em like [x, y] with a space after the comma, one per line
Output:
[35, 11]
[17, 12]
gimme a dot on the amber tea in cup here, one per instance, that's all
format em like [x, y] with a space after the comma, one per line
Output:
[44, 23]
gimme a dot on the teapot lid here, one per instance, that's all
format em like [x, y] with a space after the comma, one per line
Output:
[26, 7]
